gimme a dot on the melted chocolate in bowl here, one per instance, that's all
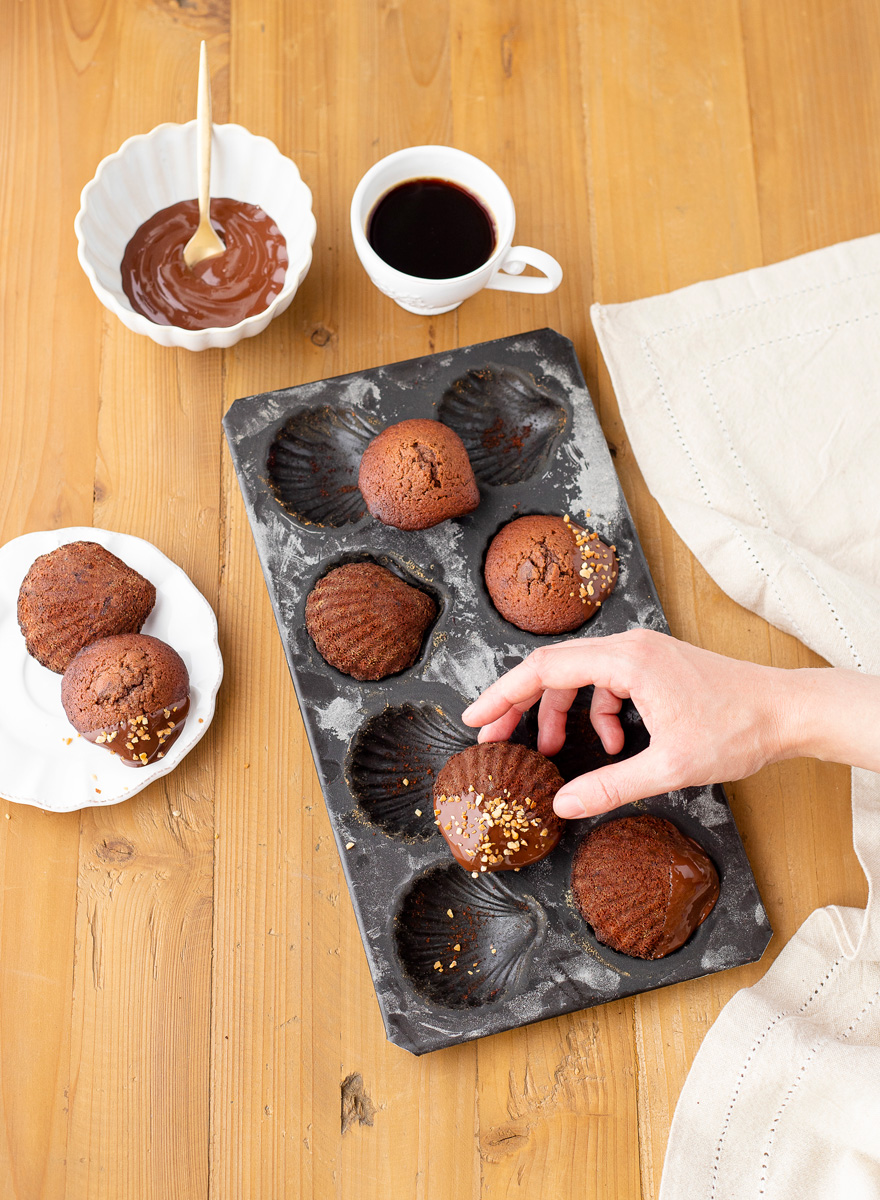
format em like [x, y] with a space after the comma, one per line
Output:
[218, 292]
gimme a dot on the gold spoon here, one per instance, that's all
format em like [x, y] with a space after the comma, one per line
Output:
[204, 243]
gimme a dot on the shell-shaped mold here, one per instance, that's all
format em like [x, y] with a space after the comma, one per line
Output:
[395, 757]
[583, 750]
[507, 423]
[313, 465]
[466, 941]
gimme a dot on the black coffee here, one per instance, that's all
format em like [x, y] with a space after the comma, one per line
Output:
[431, 228]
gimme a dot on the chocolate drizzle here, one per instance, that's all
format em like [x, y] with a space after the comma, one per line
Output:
[145, 738]
[218, 292]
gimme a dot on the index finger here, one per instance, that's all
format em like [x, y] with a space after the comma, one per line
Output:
[565, 665]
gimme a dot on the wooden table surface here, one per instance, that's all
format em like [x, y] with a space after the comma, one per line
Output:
[183, 992]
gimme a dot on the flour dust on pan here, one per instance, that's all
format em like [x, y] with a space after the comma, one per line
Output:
[297, 452]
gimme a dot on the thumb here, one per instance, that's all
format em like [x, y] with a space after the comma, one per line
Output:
[608, 787]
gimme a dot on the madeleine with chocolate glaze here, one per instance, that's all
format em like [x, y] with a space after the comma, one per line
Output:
[547, 575]
[366, 622]
[643, 885]
[75, 595]
[129, 694]
[493, 804]
[416, 474]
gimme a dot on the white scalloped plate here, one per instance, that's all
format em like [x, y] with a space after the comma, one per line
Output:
[42, 759]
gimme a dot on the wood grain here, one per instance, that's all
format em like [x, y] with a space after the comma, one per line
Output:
[185, 1007]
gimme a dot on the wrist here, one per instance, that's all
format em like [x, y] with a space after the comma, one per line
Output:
[788, 707]
[795, 700]
[830, 713]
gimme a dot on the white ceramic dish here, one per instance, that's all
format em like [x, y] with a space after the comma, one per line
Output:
[42, 760]
[152, 170]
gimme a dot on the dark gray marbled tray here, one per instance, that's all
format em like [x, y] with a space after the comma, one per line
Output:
[523, 409]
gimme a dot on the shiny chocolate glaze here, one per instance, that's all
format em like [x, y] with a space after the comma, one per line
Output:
[218, 292]
[495, 830]
[596, 565]
[142, 740]
[693, 890]
[493, 803]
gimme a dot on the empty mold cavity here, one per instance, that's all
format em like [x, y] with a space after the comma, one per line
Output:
[313, 465]
[466, 941]
[394, 759]
[583, 750]
[508, 424]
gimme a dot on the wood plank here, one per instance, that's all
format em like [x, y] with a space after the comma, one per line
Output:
[280, 1127]
[814, 98]
[557, 1110]
[47, 455]
[142, 970]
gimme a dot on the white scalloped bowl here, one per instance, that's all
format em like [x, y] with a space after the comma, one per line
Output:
[152, 170]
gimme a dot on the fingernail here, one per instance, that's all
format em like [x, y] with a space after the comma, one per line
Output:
[467, 712]
[568, 805]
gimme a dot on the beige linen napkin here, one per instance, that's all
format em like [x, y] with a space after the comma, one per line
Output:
[752, 404]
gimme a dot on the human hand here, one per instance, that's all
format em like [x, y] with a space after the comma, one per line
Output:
[710, 718]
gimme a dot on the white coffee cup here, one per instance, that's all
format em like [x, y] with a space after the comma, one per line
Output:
[502, 270]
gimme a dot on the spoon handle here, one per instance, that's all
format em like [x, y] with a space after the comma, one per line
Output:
[205, 128]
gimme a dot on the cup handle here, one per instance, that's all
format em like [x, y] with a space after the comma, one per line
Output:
[518, 258]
